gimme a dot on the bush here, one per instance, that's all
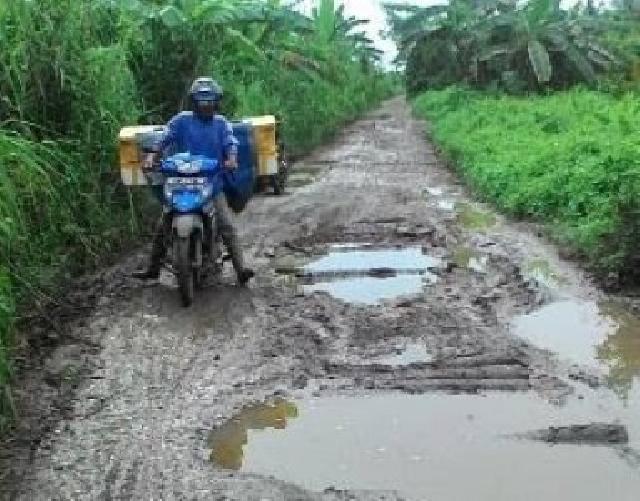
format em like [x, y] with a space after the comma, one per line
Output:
[571, 160]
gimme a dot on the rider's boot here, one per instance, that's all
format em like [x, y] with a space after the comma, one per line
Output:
[158, 253]
[243, 273]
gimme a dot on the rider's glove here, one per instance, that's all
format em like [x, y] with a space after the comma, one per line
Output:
[231, 162]
[149, 161]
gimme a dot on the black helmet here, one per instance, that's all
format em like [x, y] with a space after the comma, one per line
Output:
[205, 94]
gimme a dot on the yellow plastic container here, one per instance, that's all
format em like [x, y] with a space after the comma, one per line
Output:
[264, 137]
[131, 154]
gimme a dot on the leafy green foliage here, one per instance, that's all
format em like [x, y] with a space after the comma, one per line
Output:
[500, 43]
[571, 160]
[73, 72]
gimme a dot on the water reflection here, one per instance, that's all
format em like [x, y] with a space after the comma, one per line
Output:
[344, 272]
[588, 333]
[423, 445]
[342, 259]
[227, 442]
[620, 351]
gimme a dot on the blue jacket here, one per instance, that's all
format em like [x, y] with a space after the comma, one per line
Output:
[211, 138]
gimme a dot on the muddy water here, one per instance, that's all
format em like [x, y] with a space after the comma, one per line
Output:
[432, 447]
[345, 259]
[590, 334]
[346, 265]
[368, 290]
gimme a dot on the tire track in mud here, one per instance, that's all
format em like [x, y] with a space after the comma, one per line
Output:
[164, 377]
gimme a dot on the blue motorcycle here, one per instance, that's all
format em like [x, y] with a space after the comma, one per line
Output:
[190, 183]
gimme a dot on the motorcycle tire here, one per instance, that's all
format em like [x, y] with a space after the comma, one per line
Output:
[184, 270]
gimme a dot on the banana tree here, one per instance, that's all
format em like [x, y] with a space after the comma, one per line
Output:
[436, 43]
[540, 44]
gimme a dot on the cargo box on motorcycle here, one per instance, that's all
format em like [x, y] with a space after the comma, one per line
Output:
[134, 141]
[260, 158]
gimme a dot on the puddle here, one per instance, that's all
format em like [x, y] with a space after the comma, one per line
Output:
[466, 257]
[411, 353]
[369, 290]
[590, 334]
[345, 273]
[299, 180]
[436, 447]
[474, 219]
[434, 191]
[228, 441]
[446, 204]
[354, 259]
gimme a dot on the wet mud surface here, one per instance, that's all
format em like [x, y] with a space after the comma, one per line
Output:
[395, 328]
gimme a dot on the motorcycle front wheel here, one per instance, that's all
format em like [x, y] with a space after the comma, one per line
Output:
[183, 261]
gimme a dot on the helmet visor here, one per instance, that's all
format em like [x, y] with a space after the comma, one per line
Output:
[204, 105]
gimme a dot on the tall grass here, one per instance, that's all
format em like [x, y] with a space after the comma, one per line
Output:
[73, 72]
[570, 160]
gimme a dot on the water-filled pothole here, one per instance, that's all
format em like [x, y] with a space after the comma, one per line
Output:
[295, 180]
[434, 447]
[368, 275]
[588, 333]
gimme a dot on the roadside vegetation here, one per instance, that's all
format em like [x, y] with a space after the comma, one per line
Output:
[538, 108]
[73, 72]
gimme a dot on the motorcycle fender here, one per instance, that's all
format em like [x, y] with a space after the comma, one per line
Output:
[184, 225]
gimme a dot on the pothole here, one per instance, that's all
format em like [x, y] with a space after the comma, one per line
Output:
[422, 446]
[362, 274]
[589, 334]
[296, 180]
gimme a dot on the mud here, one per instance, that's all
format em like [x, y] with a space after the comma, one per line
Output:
[593, 433]
[122, 397]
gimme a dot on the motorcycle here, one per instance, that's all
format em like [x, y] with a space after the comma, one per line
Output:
[190, 183]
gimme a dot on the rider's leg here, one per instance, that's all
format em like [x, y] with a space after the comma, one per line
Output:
[230, 239]
[158, 250]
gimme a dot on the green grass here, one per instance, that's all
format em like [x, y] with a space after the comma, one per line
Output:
[570, 160]
[73, 72]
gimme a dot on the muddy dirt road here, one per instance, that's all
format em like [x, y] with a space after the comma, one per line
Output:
[400, 342]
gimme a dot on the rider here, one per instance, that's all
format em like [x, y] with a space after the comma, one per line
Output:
[200, 132]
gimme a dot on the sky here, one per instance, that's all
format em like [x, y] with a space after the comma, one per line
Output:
[372, 10]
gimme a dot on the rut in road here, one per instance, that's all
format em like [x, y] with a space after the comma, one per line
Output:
[154, 379]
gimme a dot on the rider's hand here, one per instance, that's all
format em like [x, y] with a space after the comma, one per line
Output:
[231, 163]
[149, 161]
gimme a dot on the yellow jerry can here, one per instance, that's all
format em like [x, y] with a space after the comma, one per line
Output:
[131, 154]
[264, 137]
